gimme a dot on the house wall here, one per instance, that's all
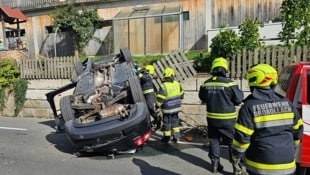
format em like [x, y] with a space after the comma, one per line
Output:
[203, 15]
[233, 12]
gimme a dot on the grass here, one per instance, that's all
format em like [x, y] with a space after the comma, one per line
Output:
[142, 61]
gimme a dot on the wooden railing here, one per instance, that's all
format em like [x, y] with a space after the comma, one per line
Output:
[47, 68]
[276, 57]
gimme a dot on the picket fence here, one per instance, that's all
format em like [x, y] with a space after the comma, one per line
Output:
[276, 57]
[47, 68]
[63, 67]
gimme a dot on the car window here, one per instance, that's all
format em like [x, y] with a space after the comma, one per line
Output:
[284, 79]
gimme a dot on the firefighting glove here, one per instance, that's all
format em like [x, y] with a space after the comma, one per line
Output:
[157, 122]
[237, 167]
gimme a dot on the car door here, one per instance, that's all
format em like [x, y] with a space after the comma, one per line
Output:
[305, 104]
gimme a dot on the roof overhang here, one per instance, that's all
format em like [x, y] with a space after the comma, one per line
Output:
[11, 15]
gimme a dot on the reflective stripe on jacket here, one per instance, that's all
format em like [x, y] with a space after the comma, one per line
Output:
[146, 82]
[267, 130]
[169, 97]
[221, 95]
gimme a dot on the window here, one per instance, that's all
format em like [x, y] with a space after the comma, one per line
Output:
[186, 16]
[49, 29]
[14, 33]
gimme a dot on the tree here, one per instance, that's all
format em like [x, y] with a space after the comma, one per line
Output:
[249, 36]
[295, 15]
[225, 44]
[81, 23]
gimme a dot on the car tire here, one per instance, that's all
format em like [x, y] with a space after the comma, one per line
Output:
[78, 68]
[126, 55]
[66, 108]
[136, 89]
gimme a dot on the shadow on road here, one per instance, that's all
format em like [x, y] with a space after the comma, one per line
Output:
[155, 147]
[50, 123]
[59, 140]
[147, 169]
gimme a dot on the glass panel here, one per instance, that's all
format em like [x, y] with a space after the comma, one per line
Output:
[120, 34]
[170, 33]
[172, 9]
[123, 14]
[138, 14]
[136, 36]
[157, 11]
[153, 35]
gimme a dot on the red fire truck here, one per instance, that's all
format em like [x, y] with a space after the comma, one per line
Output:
[294, 83]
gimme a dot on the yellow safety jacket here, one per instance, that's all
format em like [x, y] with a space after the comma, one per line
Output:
[169, 97]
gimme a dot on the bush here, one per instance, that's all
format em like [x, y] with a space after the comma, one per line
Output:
[10, 80]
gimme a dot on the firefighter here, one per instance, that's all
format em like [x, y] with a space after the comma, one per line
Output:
[169, 98]
[268, 127]
[221, 95]
[146, 76]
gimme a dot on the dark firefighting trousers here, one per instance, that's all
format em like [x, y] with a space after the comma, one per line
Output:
[171, 126]
[150, 99]
[220, 132]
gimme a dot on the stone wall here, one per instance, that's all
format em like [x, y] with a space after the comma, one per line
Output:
[37, 106]
[17, 55]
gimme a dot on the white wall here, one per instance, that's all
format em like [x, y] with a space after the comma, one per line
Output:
[268, 33]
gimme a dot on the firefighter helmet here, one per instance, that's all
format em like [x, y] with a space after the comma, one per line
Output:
[168, 72]
[150, 69]
[219, 62]
[262, 75]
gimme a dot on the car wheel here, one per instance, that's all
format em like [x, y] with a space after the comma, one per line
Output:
[66, 108]
[126, 54]
[78, 67]
[136, 89]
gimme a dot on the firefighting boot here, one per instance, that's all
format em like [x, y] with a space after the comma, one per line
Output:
[215, 165]
[220, 167]
[176, 137]
[165, 139]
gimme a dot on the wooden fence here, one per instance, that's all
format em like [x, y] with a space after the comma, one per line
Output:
[47, 68]
[63, 67]
[276, 57]
[178, 62]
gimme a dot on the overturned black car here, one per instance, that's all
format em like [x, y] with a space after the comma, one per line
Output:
[107, 110]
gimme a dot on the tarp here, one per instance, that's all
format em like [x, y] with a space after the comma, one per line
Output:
[10, 15]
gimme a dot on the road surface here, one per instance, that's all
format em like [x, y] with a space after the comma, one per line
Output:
[30, 146]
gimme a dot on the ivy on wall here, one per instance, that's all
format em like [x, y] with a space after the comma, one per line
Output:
[10, 82]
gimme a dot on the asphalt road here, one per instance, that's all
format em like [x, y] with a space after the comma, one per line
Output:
[30, 146]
